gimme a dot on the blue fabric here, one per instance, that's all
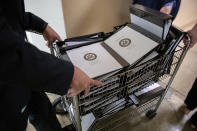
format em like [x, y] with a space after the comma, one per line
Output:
[175, 9]
[158, 4]
[170, 3]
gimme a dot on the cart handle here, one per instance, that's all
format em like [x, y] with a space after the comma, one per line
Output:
[187, 36]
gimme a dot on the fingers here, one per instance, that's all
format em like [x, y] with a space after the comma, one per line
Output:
[96, 83]
[50, 41]
[71, 93]
[50, 36]
[58, 38]
[81, 82]
[87, 91]
[185, 41]
[47, 44]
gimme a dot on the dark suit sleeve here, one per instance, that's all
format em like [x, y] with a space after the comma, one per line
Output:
[34, 23]
[23, 65]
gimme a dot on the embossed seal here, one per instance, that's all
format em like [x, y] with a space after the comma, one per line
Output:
[90, 56]
[125, 42]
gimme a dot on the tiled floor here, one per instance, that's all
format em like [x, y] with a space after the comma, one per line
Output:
[168, 116]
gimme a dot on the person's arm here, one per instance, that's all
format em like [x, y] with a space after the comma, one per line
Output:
[35, 24]
[24, 66]
[80, 80]
[193, 36]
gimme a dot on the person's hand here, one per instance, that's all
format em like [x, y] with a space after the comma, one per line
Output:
[50, 36]
[81, 82]
[166, 9]
[193, 36]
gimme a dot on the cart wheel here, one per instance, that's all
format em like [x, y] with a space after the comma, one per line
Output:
[151, 114]
[57, 105]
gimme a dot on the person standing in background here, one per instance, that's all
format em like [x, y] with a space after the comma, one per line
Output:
[190, 102]
[169, 7]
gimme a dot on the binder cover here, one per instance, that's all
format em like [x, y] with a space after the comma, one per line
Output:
[130, 44]
[152, 20]
[93, 59]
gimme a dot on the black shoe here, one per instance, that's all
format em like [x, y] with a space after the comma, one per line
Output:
[69, 128]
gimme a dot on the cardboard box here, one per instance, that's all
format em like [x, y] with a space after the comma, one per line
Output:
[83, 17]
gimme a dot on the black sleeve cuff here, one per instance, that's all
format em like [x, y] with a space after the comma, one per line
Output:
[34, 23]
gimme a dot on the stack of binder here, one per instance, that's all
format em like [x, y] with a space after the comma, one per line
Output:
[124, 48]
[151, 20]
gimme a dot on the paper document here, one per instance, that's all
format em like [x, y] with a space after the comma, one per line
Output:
[149, 57]
[93, 59]
[130, 44]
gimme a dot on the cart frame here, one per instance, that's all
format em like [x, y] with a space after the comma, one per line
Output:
[121, 88]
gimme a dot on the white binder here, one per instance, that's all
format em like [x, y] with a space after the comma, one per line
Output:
[93, 59]
[130, 44]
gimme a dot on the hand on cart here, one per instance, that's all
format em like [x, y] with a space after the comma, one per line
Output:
[81, 82]
[193, 36]
[50, 36]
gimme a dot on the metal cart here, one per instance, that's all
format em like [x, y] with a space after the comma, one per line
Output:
[140, 88]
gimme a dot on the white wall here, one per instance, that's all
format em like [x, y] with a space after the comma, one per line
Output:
[51, 12]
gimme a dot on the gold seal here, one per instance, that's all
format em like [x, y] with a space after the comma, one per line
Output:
[125, 42]
[90, 56]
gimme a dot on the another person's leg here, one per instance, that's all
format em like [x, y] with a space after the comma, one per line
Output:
[42, 115]
[194, 120]
[190, 100]
[191, 104]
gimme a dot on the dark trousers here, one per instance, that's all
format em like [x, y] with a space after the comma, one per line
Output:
[41, 114]
[191, 101]
[19, 104]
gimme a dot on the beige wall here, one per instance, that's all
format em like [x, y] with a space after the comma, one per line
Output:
[91, 16]
[187, 15]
